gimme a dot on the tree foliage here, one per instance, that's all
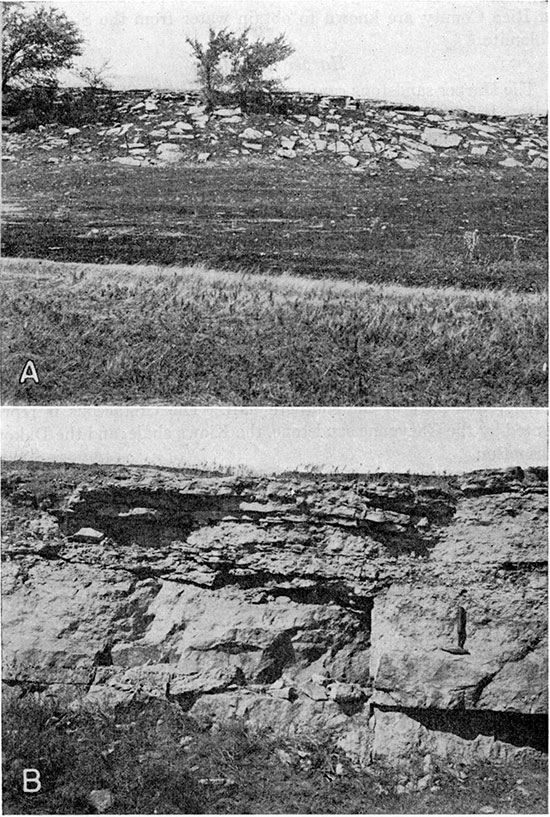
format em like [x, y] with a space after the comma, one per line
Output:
[209, 57]
[251, 59]
[36, 45]
[246, 62]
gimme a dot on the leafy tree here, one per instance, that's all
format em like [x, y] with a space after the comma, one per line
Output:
[209, 58]
[247, 61]
[250, 60]
[36, 45]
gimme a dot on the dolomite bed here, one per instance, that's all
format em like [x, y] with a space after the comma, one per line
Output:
[401, 615]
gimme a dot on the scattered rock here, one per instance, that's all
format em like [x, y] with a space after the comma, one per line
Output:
[438, 138]
[87, 535]
[408, 164]
[366, 145]
[288, 144]
[101, 800]
[251, 134]
[286, 153]
[169, 152]
[510, 162]
[227, 112]
[399, 136]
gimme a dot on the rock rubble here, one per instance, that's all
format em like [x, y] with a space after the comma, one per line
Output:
[159, 129]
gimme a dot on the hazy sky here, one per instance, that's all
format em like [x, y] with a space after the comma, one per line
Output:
[484, 55]
[270, 440]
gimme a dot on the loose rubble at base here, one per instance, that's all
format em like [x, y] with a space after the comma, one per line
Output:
[161, 129]
[402, 615]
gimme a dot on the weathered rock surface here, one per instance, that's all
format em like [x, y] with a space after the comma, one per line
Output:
[401, 614]
[371, 132]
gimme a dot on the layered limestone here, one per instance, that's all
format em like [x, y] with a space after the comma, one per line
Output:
[402, 614]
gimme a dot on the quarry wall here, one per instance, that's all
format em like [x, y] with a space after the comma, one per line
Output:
[401, 614]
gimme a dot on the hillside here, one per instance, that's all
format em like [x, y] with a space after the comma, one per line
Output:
[163, 128]
[363, 191]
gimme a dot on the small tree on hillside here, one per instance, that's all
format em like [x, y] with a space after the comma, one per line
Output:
[246, 63]
[36, 45]
[249, 62]
[209, 58]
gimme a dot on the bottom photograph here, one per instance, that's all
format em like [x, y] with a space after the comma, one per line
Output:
[330, 611]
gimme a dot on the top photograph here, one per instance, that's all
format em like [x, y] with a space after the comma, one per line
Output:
[276, 203]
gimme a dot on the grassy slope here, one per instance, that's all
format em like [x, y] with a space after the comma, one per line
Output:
[120, 334]
[300, 216]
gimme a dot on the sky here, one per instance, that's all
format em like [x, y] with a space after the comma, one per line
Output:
[272, 440]
[480, 55]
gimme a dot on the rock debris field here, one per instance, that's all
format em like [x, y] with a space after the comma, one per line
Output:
[163, 129]
[401, 613]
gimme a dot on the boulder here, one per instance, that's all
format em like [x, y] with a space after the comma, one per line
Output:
[366, 145]
[169, 153]
[510, 162]
[439, 138]
[286, 153]
[88, 534]
[101, 800]
[339, 147]
[408, 164]
[288, 143]
[251, 134]
[228, 112]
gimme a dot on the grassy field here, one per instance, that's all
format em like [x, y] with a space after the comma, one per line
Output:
[143, 334]
[302, 217]
[155, 759]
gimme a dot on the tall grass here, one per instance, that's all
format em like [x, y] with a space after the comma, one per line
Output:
[115, 334]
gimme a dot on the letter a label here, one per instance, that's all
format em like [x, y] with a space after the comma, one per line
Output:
[29, 372]
[31, 781]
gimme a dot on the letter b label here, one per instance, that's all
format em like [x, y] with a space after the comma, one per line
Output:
[31, 781]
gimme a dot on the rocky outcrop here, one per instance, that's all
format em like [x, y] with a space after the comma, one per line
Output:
[400, 613]
[158, 129]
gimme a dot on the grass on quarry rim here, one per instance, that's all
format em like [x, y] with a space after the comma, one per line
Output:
[145, 334]
[153, 758]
